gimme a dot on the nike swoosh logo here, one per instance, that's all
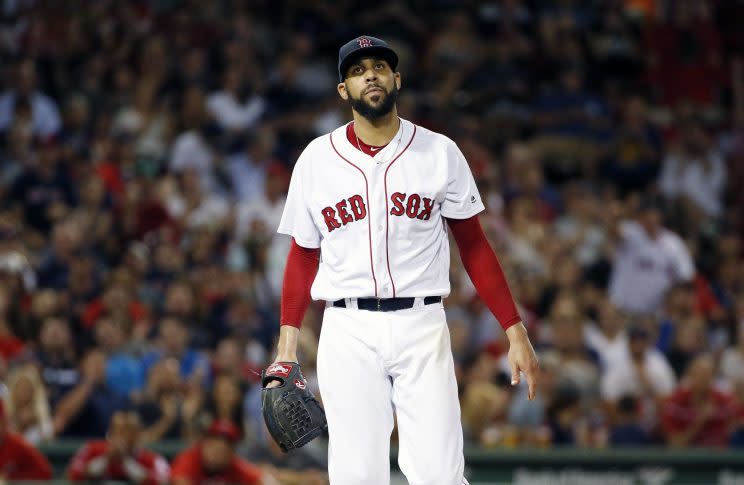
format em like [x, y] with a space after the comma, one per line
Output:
[374, 149]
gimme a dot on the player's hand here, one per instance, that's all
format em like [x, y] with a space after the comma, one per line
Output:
[282, 358]
[522, 357]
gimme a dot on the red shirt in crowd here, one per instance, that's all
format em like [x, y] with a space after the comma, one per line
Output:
[91, 462]
[188, 465]
[21, 461]
[10, 347]
[679, 412]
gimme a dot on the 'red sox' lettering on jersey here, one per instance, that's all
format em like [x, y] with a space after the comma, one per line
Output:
[415, 206]
[339, 214]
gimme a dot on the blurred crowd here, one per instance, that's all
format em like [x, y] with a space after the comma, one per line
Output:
[146, 149]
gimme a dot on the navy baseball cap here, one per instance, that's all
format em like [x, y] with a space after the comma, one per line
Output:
[364, 45]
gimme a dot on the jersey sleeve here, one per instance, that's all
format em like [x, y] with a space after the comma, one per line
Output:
[462, 199]
[297, 220]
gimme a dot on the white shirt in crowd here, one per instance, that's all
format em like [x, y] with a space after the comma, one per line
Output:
[232, 114]
[192, 152]
[45, 119]
[645, 268]
[692, 179]
[248, 178]
[732, 364]
[620, 377]
[609, 349]
[262, 210]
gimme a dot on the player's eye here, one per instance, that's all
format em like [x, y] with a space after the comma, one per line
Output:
[380, 66]
[357, 70]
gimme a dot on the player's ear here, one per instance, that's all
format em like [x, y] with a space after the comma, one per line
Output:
[342, 91]
[397, 79]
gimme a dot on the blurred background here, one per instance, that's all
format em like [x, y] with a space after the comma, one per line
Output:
[145, 154]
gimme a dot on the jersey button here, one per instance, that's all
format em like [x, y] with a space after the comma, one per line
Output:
[379, 228]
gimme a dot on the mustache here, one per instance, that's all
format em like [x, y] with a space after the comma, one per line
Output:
[373, 86]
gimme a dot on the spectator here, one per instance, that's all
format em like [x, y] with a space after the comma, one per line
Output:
[44, 115]
[580, 226]
[28, 408]
[191, 149]
[693, 175]
[124, 373]
[607, 336]
[44, 190]
[633, 161]
[10, 345]
[86, 409]
[236, 107]
[564, 418]
[18, 459]
[173, 343]
[169, 407]
[698, 414]
[579, 364]
[260, 218]
[247, 169]
[225, 402]
[688, 343]
[214, 458]
[627, 430]
[640, 372]
[120, 457]
[56, 358]
[732, 360]
[649, 259]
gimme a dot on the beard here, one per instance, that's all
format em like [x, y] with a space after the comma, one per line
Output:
[373, 113]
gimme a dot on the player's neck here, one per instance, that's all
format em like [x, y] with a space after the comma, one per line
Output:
[378, 132]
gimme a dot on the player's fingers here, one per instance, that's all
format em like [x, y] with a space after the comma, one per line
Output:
[531, 384]
[531, 374]
[514, 373]
[273, 383]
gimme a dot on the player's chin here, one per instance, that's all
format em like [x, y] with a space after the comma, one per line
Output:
[376, 97]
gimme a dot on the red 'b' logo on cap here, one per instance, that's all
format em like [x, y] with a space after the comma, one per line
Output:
[365, 42]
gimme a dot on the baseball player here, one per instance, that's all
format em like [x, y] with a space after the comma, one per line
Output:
[369, 208]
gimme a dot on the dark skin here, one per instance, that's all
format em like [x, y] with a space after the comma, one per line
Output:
[371, 80]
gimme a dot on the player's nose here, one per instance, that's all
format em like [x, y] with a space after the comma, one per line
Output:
[370, 75]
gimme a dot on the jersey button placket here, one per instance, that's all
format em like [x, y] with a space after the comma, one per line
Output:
[377, 194]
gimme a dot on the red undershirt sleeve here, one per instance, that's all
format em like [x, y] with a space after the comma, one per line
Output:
[484, 270]
[299, 274]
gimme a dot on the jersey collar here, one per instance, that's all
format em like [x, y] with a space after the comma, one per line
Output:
[388, 153]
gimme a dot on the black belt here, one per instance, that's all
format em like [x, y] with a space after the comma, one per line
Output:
[386, 304]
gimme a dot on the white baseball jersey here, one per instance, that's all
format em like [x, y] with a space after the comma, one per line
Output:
[379, 220]
[645, 268]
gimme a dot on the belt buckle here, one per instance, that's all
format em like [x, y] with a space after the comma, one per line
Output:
[379, 304]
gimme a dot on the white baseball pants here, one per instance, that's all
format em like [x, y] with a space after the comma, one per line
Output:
[371, 364]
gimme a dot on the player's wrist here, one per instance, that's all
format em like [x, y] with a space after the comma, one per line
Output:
[517, 333]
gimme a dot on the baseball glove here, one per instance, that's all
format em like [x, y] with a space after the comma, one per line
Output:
[292, 414]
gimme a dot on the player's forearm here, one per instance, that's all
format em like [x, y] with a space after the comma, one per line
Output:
[299, 274]
[484, 270]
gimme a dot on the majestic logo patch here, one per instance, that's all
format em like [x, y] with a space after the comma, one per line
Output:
[472, 199]
[365, 42]
[279, 370]
[300, 384]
